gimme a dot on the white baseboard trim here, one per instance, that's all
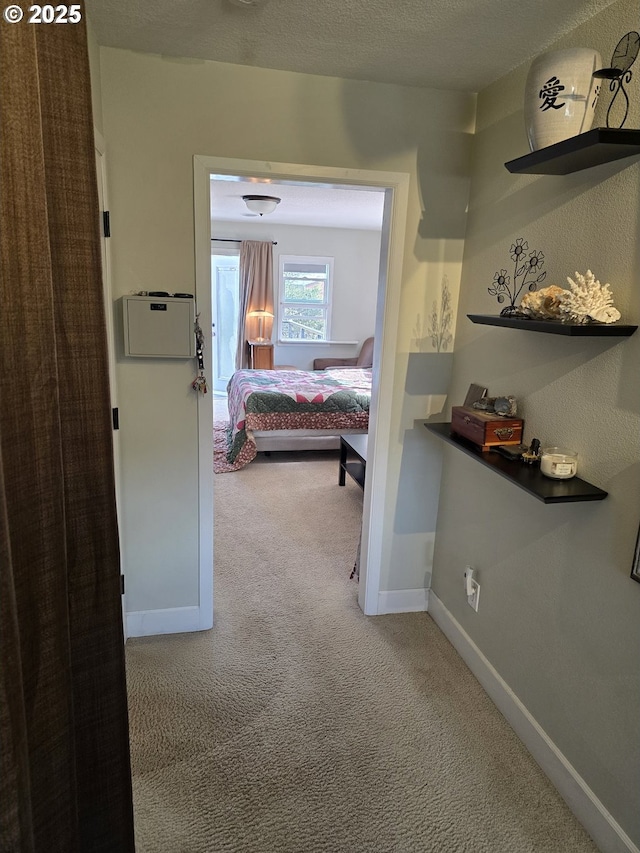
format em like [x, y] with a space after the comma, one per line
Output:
[402, 601]
[173, 620]
[599, 823]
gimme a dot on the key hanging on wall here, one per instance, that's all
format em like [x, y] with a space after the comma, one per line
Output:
[199, 384]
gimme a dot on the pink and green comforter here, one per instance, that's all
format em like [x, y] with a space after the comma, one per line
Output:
[335, 399]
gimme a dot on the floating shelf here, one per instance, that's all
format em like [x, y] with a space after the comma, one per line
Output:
[552, 327]
[524, 476]
[596, 146]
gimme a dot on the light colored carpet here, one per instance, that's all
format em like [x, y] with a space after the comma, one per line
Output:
[297, 725]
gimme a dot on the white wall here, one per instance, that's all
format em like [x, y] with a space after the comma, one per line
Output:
[94, 68]
[356, 256]
[559, 617]
[158, 113]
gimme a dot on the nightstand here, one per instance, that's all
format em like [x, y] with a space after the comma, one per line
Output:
[260, 355]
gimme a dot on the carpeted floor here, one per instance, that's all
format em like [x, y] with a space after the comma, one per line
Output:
[297, 725]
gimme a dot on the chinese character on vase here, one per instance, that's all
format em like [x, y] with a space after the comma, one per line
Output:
[549, 95]
[527, 273]
[619, 72]
[199, 384]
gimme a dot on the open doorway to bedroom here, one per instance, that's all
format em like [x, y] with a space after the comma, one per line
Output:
[325, 245]
[393, 191]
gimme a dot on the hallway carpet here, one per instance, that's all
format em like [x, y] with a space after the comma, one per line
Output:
[297, 725]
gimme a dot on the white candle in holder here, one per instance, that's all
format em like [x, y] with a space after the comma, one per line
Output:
[558, 463]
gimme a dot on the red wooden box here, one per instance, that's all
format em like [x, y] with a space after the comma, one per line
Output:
[485, 429]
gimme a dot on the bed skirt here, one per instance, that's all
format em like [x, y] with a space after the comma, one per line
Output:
[297, 439]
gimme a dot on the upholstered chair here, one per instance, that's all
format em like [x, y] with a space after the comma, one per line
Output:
[363, 359]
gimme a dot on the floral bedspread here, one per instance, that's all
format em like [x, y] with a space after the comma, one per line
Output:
[334, 399]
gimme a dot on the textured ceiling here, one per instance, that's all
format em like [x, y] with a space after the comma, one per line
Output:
[302, 204]
[443, 44]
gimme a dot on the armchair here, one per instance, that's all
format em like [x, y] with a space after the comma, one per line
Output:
[363, 359]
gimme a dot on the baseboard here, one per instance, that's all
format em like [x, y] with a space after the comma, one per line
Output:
[173, 620]
[599, 823]
[402, 601]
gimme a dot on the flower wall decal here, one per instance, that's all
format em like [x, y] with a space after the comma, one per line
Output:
[527, 273]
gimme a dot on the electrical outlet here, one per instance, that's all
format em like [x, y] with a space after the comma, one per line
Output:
[474, 599]
[471, 588]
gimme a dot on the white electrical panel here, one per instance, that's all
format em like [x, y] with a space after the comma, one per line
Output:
[158, 327]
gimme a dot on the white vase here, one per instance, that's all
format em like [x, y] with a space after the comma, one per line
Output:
[560, 95]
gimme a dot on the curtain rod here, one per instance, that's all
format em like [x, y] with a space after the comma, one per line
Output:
[230, 240]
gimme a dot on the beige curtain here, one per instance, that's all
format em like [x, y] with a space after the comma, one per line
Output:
[65, 782]
[256, 294]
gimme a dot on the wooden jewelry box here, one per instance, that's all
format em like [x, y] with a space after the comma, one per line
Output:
[485, 429]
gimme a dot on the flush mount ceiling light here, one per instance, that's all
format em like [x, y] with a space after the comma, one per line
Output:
[261, 203]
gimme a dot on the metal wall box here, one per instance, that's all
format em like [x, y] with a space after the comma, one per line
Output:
[158, 327]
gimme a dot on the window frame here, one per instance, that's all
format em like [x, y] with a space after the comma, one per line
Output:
[326, 305]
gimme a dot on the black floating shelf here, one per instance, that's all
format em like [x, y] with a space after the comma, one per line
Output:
[554, 327]
[592, 148]
[525, 477]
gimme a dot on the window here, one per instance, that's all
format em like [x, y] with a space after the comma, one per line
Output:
[305, 298]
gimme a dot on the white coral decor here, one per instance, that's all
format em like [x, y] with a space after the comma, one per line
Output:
[588, 301]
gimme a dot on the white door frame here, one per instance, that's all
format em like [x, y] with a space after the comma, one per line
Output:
[107, 292]
[396, 185]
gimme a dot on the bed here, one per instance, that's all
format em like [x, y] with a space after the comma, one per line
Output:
[295, 409]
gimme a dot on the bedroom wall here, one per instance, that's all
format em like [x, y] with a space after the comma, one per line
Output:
[559, 616]
[158, 113]
[356, 255]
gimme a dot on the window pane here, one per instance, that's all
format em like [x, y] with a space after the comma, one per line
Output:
[305, 298]
[300, 322]
[303, 289]
[305, 282]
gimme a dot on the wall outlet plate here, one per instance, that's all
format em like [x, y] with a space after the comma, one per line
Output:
[474, 599]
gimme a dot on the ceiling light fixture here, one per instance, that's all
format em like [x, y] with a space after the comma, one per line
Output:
[261, 203]
[246, 4]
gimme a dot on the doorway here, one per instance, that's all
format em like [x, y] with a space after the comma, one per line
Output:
[396, 187]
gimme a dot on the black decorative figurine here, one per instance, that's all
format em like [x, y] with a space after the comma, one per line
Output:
[532, 455]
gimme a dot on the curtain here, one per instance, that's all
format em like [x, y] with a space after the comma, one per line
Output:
[256, 294]
[65, 781]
